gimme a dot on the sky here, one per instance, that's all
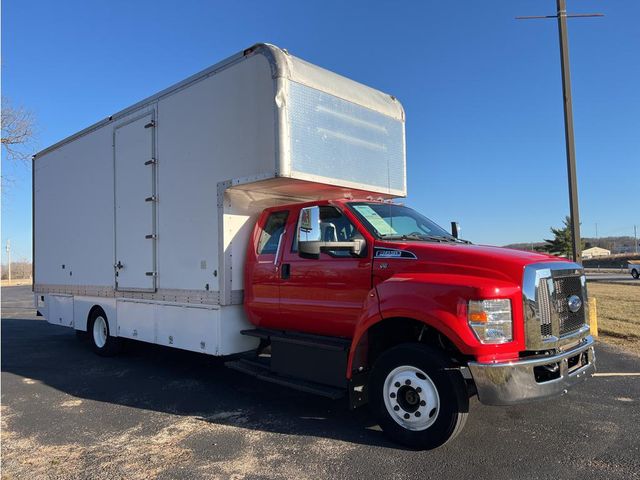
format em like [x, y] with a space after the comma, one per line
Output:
[482, 92]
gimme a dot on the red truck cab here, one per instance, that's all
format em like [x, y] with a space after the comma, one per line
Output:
[372, 298]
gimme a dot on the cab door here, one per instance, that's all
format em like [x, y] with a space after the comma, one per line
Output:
[262, 277]
[324, 295]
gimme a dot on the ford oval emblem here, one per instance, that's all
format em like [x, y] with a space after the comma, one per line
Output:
[575, 303]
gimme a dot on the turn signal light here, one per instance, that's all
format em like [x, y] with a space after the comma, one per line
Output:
[491, 320]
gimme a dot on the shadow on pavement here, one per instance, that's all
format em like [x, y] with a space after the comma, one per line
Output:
[177, 382]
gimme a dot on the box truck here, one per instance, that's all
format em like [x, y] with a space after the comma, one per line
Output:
[248, 212]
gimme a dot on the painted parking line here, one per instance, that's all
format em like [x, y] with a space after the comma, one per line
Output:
[616, 374]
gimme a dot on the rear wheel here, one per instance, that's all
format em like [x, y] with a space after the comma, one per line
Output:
[98, 331]
[635, 274]
[418, 399]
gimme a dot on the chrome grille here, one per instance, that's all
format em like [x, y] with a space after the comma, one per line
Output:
[552, 297]
[544, 306]
[564, 287]
[546, 290]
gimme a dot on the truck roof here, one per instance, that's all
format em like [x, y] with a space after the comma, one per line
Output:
[283, 65]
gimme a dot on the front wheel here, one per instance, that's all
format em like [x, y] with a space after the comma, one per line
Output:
[635, 274]
[419, 400]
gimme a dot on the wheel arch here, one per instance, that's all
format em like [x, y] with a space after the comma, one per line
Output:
[83, 308]
[94, 311]
[385, 333]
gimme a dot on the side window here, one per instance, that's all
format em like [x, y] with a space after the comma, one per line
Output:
[270, 235]
[334, 227]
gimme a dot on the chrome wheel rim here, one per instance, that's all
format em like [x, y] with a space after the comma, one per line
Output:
[411, 398]
[100, 331]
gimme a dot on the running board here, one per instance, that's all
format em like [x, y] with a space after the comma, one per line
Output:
[303, 339]
[311, 358]
[262, 372]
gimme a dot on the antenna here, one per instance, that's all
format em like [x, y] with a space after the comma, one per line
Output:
[562, 16]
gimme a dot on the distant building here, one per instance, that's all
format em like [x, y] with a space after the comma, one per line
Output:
[595, 252]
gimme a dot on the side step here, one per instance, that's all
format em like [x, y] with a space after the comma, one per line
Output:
[303, 339]
[311, 358]
[261, 371]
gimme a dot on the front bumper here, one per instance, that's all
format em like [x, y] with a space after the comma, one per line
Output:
[526, 380]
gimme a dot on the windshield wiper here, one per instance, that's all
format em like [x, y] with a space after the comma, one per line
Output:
[414, 236]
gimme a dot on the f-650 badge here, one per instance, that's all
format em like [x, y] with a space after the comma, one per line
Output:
[393, 253]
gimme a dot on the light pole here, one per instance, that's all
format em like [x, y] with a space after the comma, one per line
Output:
[9, 259]
[574, 216]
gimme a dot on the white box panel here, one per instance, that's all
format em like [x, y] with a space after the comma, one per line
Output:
[136, 320]
[60, 310]
[188, 327]
[232, 321]
[83, 305]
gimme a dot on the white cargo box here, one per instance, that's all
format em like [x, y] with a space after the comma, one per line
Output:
[155, 203]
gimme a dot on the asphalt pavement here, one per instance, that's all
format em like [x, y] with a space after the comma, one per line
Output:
[155, 412]
[612, 278]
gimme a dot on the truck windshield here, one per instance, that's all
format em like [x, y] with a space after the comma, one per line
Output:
[397, 222]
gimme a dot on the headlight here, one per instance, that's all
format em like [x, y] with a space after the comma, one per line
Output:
[491, 320]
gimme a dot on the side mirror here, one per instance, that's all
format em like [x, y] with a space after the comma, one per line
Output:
[455, 229]
[310, 242]
[309, 225]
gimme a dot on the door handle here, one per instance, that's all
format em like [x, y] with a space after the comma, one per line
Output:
[285, 271]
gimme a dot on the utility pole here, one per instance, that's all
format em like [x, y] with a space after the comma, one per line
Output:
[574, 216]
[597, 239]
[635, 238]
[9, 259]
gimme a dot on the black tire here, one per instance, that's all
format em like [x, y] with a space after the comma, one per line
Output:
[453, 406]
[635, 274]
[106, 346]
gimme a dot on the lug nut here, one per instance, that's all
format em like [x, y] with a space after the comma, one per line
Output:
[397, 384]
[422, 403]
[392, 395]
[418, 389]
[396, 408]
[418, 414]
[407, 382]
[406, 416]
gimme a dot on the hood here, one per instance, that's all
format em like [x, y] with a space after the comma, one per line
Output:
[458, 258]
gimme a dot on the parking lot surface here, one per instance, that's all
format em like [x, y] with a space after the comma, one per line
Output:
[612, 277]
[154, 412]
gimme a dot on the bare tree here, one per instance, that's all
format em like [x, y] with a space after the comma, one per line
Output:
[17, 131]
